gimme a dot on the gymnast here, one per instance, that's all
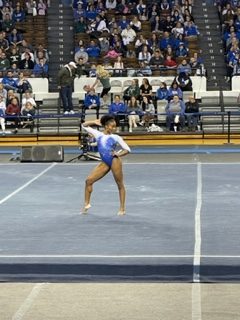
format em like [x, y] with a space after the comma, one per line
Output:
[107, 143]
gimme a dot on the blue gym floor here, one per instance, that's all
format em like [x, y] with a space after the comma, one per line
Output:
[182, 223]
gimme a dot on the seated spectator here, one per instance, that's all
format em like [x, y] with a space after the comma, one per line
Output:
[29, 52]
[140, 42]
[28, 110]
[80, 25]
[41, 69]
[28, 97]
[14, 56]
[153, 42]
[40, 52]
[135, 24]
[191, 113]
[93, 50]
[144, 55]
[91, 100]
[174, 90]
[118, 109]
[2, 103]
[184, 67]
[110, 4]
[157, 25]
[7, 24]
[196, 64]
[23, 84]
[170, 63]
[134, 111]
[153, 12]
[162, 92]
[128, 35]
[93, 71]
[82, 69]
[4, 44]
[157, 60]
[25, 46]
[13, 112]
[18, 14]
[184, 81]
[15, 70]
[118, 67]
[26, 62]
[175, 110]
[181, 51]
[148, 111]
[79, 11]
[9, 83]
[15, 38]
[144, 70]
[168, 24]
[41, 8]
[132, 90]
[123, 22]
[178, 29]
[145, 89]
[191, 30]
[166, 41]
[3, 92]
[104, 44]
[4, 62]
[11, 94]
[2, 118]
[81, 53]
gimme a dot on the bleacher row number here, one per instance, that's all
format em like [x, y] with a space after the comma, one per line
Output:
[60, 34]
[61, 46]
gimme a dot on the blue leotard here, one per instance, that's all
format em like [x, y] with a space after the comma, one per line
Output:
[107, 143]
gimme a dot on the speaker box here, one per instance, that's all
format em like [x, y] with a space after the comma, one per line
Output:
[42, 154]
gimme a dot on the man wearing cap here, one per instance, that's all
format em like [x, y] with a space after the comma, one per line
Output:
[65, 80]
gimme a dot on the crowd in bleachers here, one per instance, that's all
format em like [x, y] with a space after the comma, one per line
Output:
[21, 55]
[138, 38]
[229, 14]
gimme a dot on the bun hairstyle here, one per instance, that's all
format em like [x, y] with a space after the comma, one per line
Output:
[106, 119]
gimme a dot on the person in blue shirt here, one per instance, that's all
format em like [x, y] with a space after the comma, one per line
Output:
[118, 109]
[108, 144]
[9, 82]
[93, 50]
[91, 100]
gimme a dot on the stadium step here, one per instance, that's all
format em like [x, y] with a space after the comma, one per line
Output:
[211, 45]
[61, 39]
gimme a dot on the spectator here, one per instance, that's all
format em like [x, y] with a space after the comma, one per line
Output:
[191, 112]
[118, 109]
[7, 23]
[44, 53]
[170, 63]
[14, 56]
[148, 111]
[104, 44]
[128, 35]
[184, 81]
[181, 51]
[41, 69]
[9, 82]
[4, 44]
[26, 62]
[65, 80]
[3, 92]
[28, 110]
[41, 8]
[18, 14]
[23, 84]
[133, 111]
[174, 90]
[184, 67]
[157, 59]
[13, 113]
[27, 97]
[135, 24]
[132, 90]
[91, 100]
[145, 89]
[93, 50]
[118, 67]
[15, 38]
[175, 114]
[92, 71]
[80, 26]
[162, 92]
[2, 114]
[144, 70]
[81, 68]
[4, 62]
[144, 55]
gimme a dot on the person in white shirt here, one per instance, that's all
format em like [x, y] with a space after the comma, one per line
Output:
[128, 35]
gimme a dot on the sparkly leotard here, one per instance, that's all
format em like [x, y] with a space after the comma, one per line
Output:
[107, 143]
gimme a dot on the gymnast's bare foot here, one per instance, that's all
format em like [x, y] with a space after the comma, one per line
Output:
[84, 210]
[121, 212]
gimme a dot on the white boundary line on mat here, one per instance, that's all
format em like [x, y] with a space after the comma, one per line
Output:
[26, 184]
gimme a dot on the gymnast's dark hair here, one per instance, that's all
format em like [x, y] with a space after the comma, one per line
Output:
[106, 119]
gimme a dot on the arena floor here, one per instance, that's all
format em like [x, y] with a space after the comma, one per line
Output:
[175, 255]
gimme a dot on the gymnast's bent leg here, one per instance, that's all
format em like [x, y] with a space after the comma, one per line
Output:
[98, 172]
[118, 176]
